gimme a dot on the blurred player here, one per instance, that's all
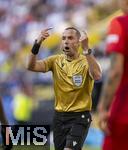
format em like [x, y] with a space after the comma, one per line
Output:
[113, 106]
[4, 121]
[73, 76]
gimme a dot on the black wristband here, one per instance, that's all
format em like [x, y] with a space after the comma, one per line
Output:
[35, 48]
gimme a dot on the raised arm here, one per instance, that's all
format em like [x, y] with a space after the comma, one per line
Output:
[94, 66]
[33, 63]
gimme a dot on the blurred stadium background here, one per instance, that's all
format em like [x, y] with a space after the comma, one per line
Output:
[28, 97]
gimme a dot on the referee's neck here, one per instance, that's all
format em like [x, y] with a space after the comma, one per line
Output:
[73, 57]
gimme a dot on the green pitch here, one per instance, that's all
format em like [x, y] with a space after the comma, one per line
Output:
[43, 148]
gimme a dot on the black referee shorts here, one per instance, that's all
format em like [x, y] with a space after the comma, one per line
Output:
[70, 129]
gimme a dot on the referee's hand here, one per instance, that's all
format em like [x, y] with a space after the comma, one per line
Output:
[43, 35]
[84, 41]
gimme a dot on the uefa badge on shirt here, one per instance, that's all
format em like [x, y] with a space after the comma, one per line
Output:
[77, 80]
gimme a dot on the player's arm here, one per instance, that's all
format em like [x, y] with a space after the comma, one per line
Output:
[33, 63]
[113, 80]
[109, 89]
[94, 66]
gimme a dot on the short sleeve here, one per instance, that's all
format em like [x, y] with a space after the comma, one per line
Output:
[115, 37]
[49, 63]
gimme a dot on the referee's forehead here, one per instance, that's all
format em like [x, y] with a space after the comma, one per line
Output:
[69, 32]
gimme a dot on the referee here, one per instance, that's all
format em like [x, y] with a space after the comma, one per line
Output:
[73, 75]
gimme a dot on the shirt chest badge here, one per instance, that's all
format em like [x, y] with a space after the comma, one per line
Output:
[77, 80]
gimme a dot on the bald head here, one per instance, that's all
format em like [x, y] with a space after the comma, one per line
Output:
[76, 30]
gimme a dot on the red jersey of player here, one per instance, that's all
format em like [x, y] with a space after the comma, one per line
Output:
[113, 106]
[117, 42]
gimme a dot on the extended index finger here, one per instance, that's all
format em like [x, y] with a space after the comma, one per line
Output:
[49, 28]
